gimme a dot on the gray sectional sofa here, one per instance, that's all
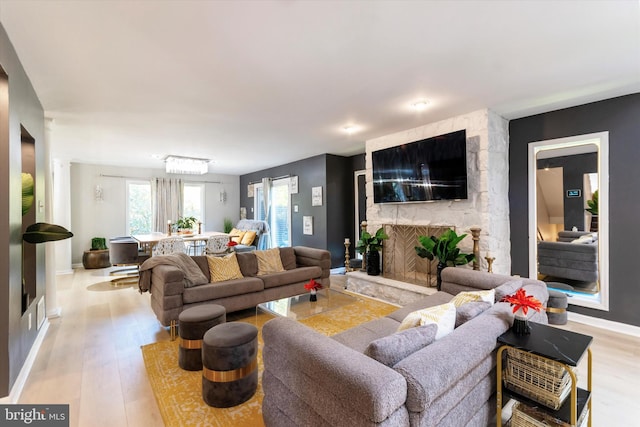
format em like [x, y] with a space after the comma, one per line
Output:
[313, 380]
[169, 296]
[570, 257]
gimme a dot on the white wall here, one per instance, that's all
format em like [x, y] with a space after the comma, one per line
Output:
[90, 218]
[487, 205]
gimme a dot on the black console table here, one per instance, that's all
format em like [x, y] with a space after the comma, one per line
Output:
[557, 346]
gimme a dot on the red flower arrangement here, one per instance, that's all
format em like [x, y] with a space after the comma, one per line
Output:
[520, 300]
[312, 285]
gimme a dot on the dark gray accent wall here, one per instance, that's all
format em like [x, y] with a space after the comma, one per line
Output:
[620, 117]
[19, 106]
[331, 221]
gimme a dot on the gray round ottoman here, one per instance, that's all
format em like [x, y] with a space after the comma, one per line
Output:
[557, 307]
[230, 364]
[193, 323]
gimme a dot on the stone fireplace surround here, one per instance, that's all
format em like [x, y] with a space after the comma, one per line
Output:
[486, 207]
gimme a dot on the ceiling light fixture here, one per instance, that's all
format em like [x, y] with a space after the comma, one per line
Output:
[350, 129]
[186, 165]
[420, 105]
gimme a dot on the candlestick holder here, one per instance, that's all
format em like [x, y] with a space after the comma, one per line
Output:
[347, 262]
[199, 227]
[168, 229]
[475, 233]
[489, 263]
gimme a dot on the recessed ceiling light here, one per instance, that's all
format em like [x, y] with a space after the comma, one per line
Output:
[420, 105]
[157, 156]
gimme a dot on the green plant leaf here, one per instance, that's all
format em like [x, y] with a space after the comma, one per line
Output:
[444, 248]
[42, 232]
[27, 192]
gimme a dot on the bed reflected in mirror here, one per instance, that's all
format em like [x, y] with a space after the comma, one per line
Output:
[565, 211]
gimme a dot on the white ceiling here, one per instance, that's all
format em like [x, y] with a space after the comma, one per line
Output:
[255, 84]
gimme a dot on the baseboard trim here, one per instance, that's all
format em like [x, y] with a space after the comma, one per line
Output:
[18, 386]
[609, 325]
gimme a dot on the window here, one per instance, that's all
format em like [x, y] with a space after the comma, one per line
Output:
[138, 207]
[193, 200]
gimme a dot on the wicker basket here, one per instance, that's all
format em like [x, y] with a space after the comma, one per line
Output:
[526, 416]
[537, 378]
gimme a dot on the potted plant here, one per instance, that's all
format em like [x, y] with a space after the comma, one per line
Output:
[228, 225]
[369, 246]
[185, 224]
[593, 210]
[445, 250]
[98, 255]
[98, 244]
[313, 287]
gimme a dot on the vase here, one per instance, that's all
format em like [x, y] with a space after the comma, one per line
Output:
[313, 297]
[521, 323]
[373, 263]
[441, 266]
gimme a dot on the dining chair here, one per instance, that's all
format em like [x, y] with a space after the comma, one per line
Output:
[125, 254]
[169, 245]
[216, 245]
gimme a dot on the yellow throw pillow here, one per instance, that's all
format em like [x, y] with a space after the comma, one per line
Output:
[248, 238]
[224, 268]
[269, 261]
[236, 235]
[442, 315]
[465, 297]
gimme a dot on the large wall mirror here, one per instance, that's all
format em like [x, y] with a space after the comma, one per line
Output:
[569, 218]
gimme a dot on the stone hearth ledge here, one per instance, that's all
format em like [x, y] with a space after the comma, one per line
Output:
[393, 291]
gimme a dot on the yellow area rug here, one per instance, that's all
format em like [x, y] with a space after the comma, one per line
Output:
[179, 392]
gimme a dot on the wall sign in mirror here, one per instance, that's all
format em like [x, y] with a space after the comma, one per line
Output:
[568, 217]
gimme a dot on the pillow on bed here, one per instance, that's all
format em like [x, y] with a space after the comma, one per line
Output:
[391, 349]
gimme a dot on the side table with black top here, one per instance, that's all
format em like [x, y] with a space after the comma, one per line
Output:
[558, 346]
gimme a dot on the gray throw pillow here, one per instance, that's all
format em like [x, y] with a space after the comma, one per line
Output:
[395, 347]
[468, 311]
[508, 288]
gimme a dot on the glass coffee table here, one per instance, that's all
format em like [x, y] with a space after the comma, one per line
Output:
[299, 307]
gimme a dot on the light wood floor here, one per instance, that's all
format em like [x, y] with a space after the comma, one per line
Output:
[91, 359]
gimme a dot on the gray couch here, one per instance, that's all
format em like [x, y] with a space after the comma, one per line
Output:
[567, 259]
[169, 296]
[313, 380]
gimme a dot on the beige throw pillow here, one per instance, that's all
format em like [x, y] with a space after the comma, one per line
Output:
[224, 268]
[269, 261]
[442, 315]
[465, 297]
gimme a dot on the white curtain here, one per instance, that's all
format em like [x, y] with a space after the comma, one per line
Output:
[266, 200]
[167, 202]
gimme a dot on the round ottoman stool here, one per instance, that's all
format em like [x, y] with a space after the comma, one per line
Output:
[193, 323]
[230, 364]
[557, 307]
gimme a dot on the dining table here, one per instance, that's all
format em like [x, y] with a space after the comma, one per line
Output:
[148, 241]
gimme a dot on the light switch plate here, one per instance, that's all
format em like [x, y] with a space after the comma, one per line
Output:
[295, 208]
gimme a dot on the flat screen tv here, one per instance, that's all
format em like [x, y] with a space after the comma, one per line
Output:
[422, 171]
